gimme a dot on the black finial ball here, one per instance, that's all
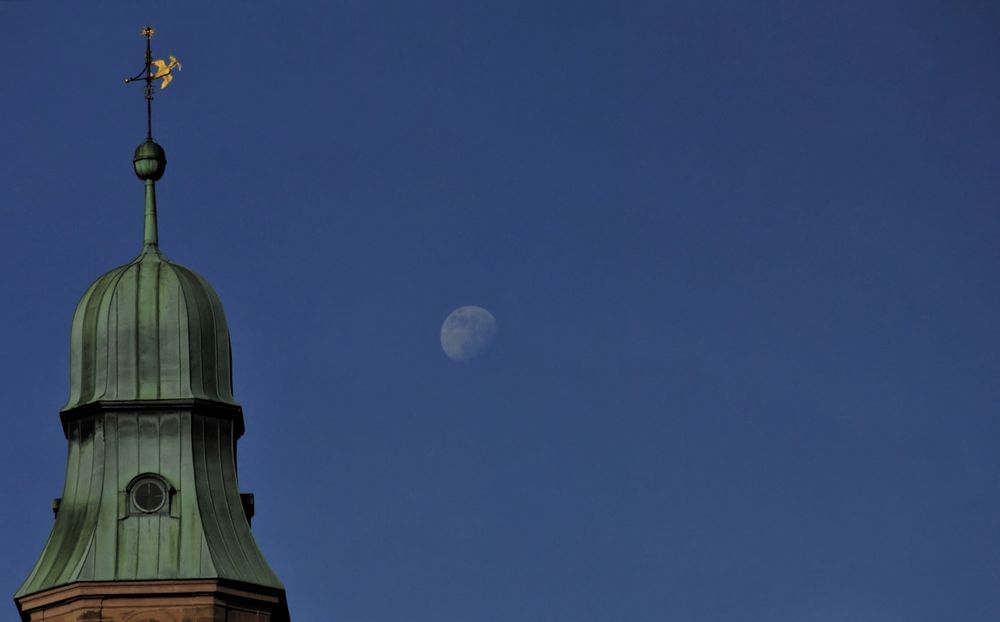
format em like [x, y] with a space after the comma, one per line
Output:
[150, 161]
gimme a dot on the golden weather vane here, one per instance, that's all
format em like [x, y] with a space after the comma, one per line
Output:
[163, 69]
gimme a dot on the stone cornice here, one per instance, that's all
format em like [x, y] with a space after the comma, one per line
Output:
[106, 597]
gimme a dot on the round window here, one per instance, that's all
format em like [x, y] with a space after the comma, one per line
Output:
[149, 495]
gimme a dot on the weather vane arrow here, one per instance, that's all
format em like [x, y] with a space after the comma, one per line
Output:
[154, 70]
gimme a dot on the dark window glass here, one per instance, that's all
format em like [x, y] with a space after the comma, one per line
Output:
[148, 496]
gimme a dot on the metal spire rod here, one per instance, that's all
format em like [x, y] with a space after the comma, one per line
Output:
[148, 32]
[150, 161]
[147, 75]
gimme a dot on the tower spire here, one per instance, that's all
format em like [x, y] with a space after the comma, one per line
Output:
[150, 160]
[152, 524]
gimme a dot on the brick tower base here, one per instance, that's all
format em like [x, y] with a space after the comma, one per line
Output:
[192, 600]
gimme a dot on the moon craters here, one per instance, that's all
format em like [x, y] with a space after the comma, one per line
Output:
[467, 332]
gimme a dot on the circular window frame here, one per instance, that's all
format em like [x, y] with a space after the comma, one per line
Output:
[140, 509]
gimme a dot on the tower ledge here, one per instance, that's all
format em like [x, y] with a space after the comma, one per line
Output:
[166, 601]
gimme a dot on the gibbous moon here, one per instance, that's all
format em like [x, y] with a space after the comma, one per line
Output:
[467, 332]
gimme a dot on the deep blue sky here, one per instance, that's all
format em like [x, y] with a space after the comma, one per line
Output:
[743, 257]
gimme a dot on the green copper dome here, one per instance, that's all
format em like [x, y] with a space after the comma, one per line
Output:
[151, 400]
[149, 330]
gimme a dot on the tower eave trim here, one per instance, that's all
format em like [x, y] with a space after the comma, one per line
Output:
[201, 406]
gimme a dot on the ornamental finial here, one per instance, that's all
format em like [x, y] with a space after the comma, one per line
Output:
[150, 161]
[153, 70]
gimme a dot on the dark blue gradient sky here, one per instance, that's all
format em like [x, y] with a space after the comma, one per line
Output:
[743, 257]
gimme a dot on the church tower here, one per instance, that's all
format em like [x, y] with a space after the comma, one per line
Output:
[151, 526]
